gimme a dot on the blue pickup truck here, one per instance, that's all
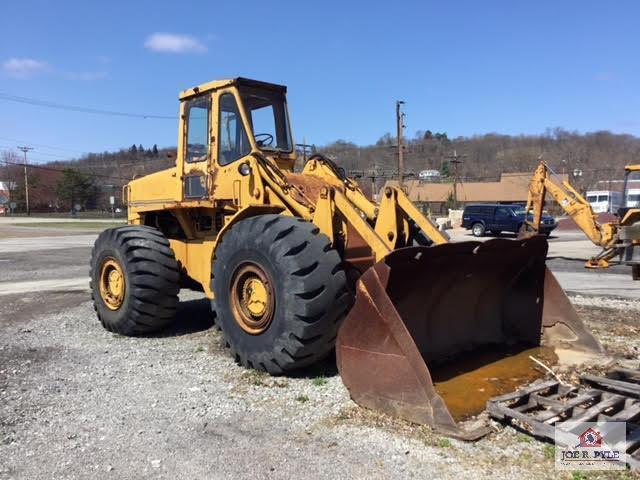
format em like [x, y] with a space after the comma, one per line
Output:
[495, 219]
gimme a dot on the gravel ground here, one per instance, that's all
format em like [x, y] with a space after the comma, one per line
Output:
[80, 402]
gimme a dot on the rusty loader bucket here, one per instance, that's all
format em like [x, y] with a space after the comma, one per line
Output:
[435, 331]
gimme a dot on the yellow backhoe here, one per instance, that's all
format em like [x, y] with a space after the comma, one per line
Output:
[618, 239]
[298, 264]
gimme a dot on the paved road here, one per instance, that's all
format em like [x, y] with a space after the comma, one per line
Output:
[600, 284]
[34, 244]
[49, 285]
[567, 253]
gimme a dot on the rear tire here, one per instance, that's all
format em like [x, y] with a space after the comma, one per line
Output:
[303, 293]
[478, 230]
[139, 261]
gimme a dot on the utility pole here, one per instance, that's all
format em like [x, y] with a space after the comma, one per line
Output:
[373, 175]
[305, 148]
[400, 129]
[26, 179]
[455, 159]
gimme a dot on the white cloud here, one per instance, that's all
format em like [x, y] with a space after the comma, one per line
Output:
[24, 67]
[84, 75]
[28, 67]
[174, 43]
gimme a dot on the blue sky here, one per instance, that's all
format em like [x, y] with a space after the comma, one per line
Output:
[464, 67]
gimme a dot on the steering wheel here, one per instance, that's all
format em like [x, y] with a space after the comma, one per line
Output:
[268, 139]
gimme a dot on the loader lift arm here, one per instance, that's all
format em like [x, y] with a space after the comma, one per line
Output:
[386, 226]
[544, 181]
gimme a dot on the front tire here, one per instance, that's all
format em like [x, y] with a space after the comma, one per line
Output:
[134, 280]
[478, 230]
[281, 293]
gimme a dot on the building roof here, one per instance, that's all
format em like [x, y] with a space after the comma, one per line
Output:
[512, 187]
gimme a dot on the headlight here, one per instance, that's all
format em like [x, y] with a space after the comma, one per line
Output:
[244, 169]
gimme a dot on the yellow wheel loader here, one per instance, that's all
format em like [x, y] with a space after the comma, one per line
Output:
[298, 264]
[618, 239]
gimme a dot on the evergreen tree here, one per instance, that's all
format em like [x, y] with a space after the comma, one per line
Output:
[444, 168]
[75, 187]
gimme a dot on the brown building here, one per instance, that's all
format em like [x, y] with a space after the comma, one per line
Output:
[437, 197]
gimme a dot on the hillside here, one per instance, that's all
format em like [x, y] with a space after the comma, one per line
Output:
[587, 158]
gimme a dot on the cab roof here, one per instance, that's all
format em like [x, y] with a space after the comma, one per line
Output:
[632, 168]
[239, 81]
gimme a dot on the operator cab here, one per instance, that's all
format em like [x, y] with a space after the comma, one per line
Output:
[251, 117]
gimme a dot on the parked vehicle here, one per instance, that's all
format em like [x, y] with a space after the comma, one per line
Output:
[633, 198]
[429, 175]
[495, 219]
[604, 201]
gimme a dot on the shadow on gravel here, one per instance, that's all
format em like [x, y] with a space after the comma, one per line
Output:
[324, 368]
[193, 316]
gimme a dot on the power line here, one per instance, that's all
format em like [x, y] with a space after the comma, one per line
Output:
[75, 108]
[48, 154]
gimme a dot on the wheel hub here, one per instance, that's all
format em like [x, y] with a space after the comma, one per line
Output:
[112, 283]
[252, 298]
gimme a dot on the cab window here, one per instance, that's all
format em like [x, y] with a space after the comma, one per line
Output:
[233, 142]
[198, 129]
[267, 114]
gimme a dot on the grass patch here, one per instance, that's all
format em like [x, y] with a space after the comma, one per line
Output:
[372, 419]
[302, 398]
[443, 443]
[254, 377]
[320, 381]
[549, 451]
[524, 438]
[199, 349]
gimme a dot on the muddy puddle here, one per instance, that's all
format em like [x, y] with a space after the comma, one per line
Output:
[467, 383]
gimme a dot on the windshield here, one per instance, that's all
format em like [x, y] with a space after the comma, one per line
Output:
[632, 190]
[268, 116]
[519, 211]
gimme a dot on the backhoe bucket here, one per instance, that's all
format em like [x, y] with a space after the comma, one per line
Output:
[435, 330]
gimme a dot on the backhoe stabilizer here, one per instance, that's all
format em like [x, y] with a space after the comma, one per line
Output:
[422, 314]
